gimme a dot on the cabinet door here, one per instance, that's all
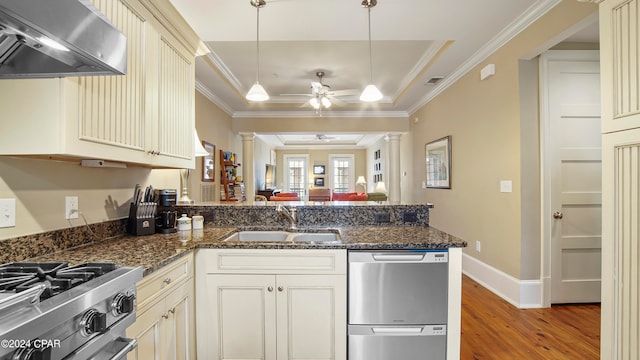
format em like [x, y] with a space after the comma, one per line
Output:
[176, 119]
[620, 64]
[178, 329]
[311, 317]
[241, 321]
[147, 331]
[113, 110]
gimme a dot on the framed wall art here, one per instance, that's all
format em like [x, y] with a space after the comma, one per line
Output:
[208, 162]
[318, 169]
[438, 163]
[319, 181]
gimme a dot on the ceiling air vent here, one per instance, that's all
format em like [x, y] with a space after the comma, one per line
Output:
[434, 80]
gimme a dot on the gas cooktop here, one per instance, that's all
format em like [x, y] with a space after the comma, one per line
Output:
[52, 277]
[82, 310]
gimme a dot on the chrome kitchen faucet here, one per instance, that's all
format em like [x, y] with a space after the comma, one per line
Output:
[289, 214]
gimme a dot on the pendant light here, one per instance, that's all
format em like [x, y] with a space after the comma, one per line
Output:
[257, 92]
[371, 92]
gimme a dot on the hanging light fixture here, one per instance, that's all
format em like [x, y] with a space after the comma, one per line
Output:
[257, 92]
[371, 92]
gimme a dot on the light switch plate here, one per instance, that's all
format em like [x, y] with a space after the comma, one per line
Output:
[505, 186]
[7, 213]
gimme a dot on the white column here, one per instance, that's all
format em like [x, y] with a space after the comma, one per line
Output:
[394, 167]
[248, 165]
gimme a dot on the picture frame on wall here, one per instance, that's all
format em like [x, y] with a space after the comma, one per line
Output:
[438, 163]
[208, 162]
[318, 170]
[319, 181]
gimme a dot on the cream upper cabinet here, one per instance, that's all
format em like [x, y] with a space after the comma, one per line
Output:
[144, 117]
[271, 304]
[620, 64]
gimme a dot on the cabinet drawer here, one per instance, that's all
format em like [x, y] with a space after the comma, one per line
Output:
[278, 261]
[162, 280]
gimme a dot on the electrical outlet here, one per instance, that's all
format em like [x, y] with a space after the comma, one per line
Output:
[7, 213]
[71, 207]
[383, 217]
[409, 216]
[478, 248]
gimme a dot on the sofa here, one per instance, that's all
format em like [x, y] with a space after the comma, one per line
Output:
[376, 196]
[285, 197]
[350, 196]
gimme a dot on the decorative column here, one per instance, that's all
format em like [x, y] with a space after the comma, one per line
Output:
[394, 167]
[248, 165]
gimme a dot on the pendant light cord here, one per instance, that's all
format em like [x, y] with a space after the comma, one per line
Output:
[258, 43]
[370, 59]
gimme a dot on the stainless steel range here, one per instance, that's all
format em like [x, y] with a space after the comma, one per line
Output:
[51, 311]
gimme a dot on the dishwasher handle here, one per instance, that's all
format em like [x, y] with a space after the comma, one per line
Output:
[398, 257]
[402, 256]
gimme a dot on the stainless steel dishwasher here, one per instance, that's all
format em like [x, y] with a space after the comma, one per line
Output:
[398, 305]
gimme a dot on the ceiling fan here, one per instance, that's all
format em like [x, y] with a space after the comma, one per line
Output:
[323, 138]
[322, 97]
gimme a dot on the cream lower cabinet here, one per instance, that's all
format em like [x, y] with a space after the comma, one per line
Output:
[270, 305]
[165, 324]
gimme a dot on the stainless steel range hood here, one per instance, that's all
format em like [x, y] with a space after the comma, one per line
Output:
[56, 38]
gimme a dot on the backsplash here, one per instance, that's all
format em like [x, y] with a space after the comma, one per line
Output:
[28, 246]
[309, 215]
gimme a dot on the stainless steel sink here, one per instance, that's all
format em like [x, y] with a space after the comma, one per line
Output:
[314, 237]
[284, 236]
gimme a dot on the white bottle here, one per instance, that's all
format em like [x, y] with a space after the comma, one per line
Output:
[184, 223]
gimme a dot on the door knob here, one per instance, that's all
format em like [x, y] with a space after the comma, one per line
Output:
[558, 215]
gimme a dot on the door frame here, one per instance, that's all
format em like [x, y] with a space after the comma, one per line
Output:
[546, 222]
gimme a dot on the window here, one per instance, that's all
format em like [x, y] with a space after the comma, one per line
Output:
[342, 173]
[295, 175]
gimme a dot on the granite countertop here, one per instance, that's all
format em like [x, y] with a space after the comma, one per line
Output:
[154, 251]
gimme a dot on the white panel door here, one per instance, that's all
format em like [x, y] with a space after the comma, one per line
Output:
[312, 317]
[574, 155]
[242, 317]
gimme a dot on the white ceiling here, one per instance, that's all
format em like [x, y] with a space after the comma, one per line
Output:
[412, 41]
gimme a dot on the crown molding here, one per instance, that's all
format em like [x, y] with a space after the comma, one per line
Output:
[202, 89]
[591, 1]
[534, 12]
[326, 114]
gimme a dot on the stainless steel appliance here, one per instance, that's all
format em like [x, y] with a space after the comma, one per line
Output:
[58, 38]
[51, 311]
[398, 305]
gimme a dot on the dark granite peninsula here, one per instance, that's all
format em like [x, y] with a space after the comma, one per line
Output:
[184, 263]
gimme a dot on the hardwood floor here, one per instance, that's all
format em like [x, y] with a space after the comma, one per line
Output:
[494, 329]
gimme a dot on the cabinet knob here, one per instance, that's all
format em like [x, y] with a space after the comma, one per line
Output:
[558, 215]
[165, 315]
[270, 289]
[166, 281]
[280, 288]
[172, 310]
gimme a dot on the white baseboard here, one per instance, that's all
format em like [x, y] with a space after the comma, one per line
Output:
[524, 294]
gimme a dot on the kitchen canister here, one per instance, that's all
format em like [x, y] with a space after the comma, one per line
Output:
[184, 223]
[197, 221]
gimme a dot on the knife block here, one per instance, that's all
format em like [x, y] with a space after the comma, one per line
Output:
[140, 225]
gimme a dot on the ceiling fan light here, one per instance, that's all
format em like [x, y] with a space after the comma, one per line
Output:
[325, 102]
[314, 103]
[370, 94]
[257, 93]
